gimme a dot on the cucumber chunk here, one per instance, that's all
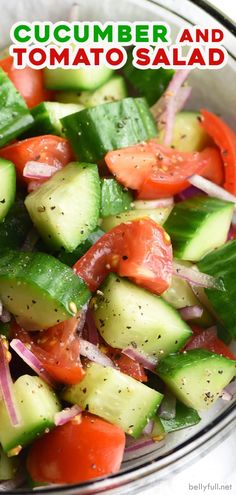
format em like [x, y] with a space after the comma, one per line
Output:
[114, 198]
[197, 377]
[16, 225]
[127, 315]
[198, 225]
[39, 290]
[179, 295]
[222, 263]
[184, 417]
[37, 405]
[149, 82]
[47, 117]
[94, 131]
[8, 466]
[116, 397]
[7, 186]
[73, 79]
[15, 117]
[65, 209]
[188, 134]
[159, 215]
[113, 90]
[71, 258]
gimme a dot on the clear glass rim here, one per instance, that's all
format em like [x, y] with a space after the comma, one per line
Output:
[134, 479]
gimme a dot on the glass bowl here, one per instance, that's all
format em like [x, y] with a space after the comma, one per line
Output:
[215, 91]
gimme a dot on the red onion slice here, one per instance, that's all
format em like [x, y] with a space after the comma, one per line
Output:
[191, 312]
[29, 358]
[139, 444]
[93, 353]
[193, 276]
[90, 330]
[64, 416]
[148, 428]
[6, 386]
[82, 319]
[5, 316]
[37, 170]
[153, 203]
[211, 189]
[167, 409]
[146, 361]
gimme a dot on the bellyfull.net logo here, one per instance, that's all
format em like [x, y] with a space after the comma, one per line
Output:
[210, 487]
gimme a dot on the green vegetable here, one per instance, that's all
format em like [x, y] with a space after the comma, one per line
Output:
[7, 186]
[114, 198]
[74, 79]
[16, 225]
[188, 134]
[15, 117]
[94, 131]
[159, 215]
[71, 258]
[39, 290]
[47, 117]
[184, 417]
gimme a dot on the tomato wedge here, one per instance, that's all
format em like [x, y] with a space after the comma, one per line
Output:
[57, 348]
[207, 339]
[81, 450]
[49, 149]
[127, 365]
[28, 81]
[140, 250]
[157, 171]
[225, 138]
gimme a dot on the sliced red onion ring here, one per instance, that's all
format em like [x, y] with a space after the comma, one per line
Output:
[148, 428]
[30, 359]
[6, 385]
[193, 276]
[153, 203]
[91, 331]
[225, 395]
[93, 353]
[188, 193]
[167, 409]
[64, 416]
[211, 189]
[191, 312]
[171, 101]
[37, 170]
[82, 319]
[146, 361]
[5, 316]
[139, 444]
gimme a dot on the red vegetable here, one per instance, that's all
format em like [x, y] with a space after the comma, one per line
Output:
[81, 450]
[157, 171]
[57, 348]
[225, 138]
[140, 250]
[127, 365]
[207, 339]
[51, 150]
[28, 81]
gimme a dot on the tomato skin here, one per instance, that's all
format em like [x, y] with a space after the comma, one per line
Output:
[127, 365]
[57, 348]
[77, 452]
[157, 171]
[140, 250]
[225, 138]
[28, 81]
[49, 149]
[207, 339]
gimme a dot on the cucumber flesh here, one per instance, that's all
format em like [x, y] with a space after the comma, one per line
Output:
[114, 198]
[159, 215]
[37, 405]
[198, 225]
[39, 290]
[47, 117]
[188, 134]
[221, 263]
[111, 126]
[127, 315]
[197, 377]
[116, 397]
[8, 466]
[65, 209]
[184, 417]
[113, 90]
[73, 79]
[71, 258]
[16, 225]
[7, 186]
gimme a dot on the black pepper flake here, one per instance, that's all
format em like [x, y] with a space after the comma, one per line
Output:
[124, 257]
[3, 201]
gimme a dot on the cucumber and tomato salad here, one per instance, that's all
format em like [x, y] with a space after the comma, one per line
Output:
[112, 269]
